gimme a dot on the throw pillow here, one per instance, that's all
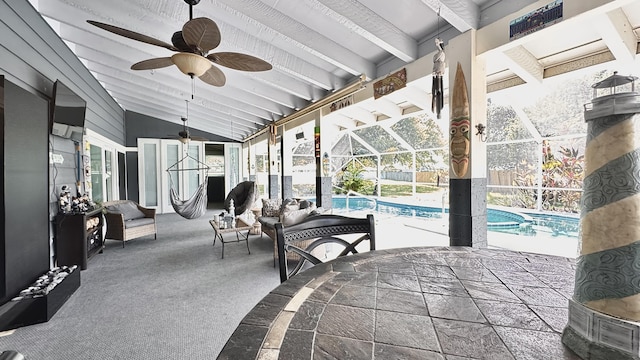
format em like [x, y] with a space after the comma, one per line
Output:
[304, 203]
[288, 207]
[286, 202]
[271, 207]
[293, 214]
[128, 209]
[292, 217]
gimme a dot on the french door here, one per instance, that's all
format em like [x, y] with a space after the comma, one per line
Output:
[185, 162]
[101, 165]
[155, 156]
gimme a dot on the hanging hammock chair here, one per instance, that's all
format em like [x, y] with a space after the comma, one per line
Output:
[196, 205]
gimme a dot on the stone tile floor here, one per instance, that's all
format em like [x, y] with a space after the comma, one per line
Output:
[414, 303]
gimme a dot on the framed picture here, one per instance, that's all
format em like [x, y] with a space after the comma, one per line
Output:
[216, 163]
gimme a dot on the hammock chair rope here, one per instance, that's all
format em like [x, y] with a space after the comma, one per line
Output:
[196, 205]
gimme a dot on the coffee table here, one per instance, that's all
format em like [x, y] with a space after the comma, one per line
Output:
[238, 229]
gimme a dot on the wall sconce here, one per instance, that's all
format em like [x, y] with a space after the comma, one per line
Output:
[481, 132]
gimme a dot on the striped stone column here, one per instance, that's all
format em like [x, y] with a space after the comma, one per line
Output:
[605, 309]
[608, 273]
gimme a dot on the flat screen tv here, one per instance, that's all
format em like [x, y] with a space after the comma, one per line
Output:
[67, 112]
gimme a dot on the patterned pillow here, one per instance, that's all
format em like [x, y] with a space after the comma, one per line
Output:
[271, 207]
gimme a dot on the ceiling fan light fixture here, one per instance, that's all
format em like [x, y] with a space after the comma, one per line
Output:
[184, 140]
[191, 64]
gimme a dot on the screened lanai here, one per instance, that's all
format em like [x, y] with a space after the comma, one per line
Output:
[535, 140]
[528, 94]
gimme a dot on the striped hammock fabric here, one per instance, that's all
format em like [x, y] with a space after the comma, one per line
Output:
[193, 207]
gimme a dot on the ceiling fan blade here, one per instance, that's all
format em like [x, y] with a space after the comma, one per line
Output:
[154, 63]
[239, 61]
[132, 35]
[214, 76]
[198, 138]
[201, 33]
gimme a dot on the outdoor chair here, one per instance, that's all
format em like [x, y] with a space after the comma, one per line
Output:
[306, 237]
[244, 196]
[128, 220]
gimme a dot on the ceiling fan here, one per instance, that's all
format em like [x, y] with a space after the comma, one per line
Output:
[185, 136]
[192, 46]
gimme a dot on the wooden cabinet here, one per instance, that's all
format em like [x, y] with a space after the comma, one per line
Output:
[78, 237]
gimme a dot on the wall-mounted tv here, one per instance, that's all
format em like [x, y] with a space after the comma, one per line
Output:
[67, 112]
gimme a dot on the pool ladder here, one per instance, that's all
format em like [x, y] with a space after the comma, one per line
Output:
[351, 192]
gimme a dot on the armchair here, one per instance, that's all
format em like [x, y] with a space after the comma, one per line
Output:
[126, 220]
[244, 196]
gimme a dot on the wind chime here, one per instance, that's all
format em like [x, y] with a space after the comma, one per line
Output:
[437, 89]
[273, 133]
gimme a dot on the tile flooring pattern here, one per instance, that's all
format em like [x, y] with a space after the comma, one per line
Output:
[414, 303]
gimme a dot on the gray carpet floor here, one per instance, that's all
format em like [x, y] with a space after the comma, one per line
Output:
[170, 298]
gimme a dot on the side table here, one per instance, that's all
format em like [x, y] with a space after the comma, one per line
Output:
[240, 226]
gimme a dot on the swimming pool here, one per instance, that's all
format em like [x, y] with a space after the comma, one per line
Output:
[509, 221]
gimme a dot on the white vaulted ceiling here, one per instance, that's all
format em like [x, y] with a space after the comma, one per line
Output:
[315, 46]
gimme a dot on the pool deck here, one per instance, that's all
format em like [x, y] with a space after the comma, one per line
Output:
[414, 303]
[434, 232]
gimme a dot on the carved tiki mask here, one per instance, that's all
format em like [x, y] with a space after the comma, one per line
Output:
[459, 139]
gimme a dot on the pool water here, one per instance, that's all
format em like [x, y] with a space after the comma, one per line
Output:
[522, 222]
[556, 224]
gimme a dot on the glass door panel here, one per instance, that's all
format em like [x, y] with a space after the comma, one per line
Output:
[173, 155]
[150, 175]
[192, 178]
[108, 175]
[172, 150]
[232, 166]
[95, 153]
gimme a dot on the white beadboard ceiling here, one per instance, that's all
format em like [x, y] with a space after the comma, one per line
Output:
[315, 46]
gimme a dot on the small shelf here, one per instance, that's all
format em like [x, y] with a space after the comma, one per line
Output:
[75, 244]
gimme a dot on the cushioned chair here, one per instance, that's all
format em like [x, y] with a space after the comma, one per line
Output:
[126, 220]
[320, 230]
[244, 196]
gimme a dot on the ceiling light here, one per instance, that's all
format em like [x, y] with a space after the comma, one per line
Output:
[191, 64]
